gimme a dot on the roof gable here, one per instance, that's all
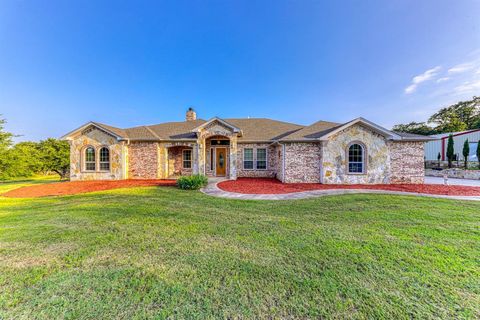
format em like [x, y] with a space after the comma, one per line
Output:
[115, 132]
[373, 126]
[214, 120]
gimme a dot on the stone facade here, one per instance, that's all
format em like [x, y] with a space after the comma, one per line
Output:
[143, 160]
[407, 164]
[334, 164]
[386, 161]
[97, 139]
[269, 172]
[215, 129]
[302, 162]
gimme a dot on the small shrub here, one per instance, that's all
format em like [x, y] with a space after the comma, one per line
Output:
[193, 182]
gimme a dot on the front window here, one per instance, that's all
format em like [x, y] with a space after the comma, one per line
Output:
[187, 159]
[90, 159]
[248, 159]
[104, 159]
[356, 159]
[261, 159]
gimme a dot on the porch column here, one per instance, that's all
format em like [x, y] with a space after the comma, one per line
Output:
[195, 158]
[233, 158]
[162, 161]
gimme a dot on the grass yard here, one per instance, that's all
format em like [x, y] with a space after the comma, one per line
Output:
[160, 252]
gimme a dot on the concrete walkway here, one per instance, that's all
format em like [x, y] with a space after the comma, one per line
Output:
[213, 190]
[453, 181]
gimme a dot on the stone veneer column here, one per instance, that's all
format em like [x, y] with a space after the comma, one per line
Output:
[195, 158]
[162, 161]
[233, 158]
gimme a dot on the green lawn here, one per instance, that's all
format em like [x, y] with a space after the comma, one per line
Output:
[161, 252]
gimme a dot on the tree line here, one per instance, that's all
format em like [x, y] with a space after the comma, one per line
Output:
[461, 116]
[27, 158]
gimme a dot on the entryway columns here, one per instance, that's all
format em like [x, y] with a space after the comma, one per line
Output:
[233, 158]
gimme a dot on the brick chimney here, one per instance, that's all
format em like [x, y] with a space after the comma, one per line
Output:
[191, 115]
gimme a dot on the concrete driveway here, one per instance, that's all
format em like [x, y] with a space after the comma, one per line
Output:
[451, 181]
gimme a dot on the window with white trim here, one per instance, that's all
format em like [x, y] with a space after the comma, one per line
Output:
[104, 159]
[261, 159]
[248, 158]
[356, 158]
[90, 159]
[187, 158]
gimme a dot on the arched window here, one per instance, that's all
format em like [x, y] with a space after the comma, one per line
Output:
[356, 158]
[104, 159]
[90, 159]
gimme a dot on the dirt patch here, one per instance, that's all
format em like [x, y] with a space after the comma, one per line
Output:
[273, 186]
[75, 187]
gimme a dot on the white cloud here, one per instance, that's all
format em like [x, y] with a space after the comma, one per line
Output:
[443, 79]
[459, 68]
[478, 71]
[426, 76]
[468, 86]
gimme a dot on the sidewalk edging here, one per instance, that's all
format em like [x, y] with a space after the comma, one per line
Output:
[213, 190]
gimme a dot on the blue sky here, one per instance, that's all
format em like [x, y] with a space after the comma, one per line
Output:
[63, 63]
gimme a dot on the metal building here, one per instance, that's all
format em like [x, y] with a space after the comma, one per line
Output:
[432, 148]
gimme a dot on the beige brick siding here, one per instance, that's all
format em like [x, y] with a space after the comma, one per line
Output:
[143, 160]
[407, 162]
[302, 162]
[270, 172]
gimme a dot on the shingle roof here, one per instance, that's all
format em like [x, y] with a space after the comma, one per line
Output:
[412, 136]
[313, 131]
[119, 132]
[262, 129]
[175, 130]
[253, 129]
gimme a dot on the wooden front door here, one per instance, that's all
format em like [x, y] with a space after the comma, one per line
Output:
[220, 161]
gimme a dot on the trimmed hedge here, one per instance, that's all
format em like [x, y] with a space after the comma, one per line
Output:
[193, 182]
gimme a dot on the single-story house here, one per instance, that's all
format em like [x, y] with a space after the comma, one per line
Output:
[358, 151]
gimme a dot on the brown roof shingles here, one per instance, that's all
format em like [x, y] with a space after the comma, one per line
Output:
[312, 132]
[253, 130]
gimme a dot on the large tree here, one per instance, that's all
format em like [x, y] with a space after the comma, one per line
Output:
[5, 137]
[463, 115]
[55, 156]
[5, 144]
[415, 127]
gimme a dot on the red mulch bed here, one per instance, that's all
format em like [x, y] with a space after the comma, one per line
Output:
[273, 186]
[65, 188]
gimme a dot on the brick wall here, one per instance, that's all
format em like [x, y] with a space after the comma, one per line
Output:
[302, 162]
[271, 170]
[407, 162]
[175, 161]
[143, 160]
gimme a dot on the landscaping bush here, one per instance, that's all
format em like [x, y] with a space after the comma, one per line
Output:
[193, 182]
